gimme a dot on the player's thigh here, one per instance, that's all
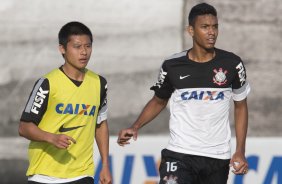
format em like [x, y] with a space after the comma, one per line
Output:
[173, 169]
[218, 173]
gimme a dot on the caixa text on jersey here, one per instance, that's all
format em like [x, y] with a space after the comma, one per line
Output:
[80, 109]
[202, 95]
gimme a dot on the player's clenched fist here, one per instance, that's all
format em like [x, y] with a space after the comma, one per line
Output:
[125, 135]
[62, 141]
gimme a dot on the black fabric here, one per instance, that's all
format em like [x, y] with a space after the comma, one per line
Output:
[76, 82]
[179, 72]
[190, 169]
[36, 117]
[103, 92]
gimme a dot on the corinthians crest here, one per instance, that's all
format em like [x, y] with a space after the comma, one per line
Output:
[220, 76]
[170, 179]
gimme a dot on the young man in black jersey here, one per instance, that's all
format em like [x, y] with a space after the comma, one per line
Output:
[199, 83]
[66, 109]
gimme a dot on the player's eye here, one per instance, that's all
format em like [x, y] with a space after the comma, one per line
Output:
[77, 46]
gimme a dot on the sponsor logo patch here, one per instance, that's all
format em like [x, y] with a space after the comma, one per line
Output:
[241, 73]
[66, 129]
[183, 77]
[202, 95]
[79, 109]
[38, 100]
[161, 79]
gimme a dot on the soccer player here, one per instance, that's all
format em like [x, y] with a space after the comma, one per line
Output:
[66, 109]
[200, 82]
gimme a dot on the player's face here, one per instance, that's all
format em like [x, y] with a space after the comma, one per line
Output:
[204, 31]
[78, 51]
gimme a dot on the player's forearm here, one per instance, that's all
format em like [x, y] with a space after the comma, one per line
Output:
[241, 125]
[102, 140]
[31, 132]
[150, 111]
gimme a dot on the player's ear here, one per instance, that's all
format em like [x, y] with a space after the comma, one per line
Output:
[190, 30]
[62, 49]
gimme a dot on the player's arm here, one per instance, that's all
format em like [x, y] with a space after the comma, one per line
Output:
[241, 89]
[163, 90]
[102, 140]
[241, 127]
[102, 134]
[150, 111]
[34, 110]
[32, 132]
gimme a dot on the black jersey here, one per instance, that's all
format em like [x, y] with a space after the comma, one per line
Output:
[200, 96]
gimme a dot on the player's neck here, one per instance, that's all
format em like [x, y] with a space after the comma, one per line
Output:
[74, 73]
[201, 55]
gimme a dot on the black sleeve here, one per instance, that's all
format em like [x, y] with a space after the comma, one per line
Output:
[163, 88]
[37, 102]
[103, 93]
[240, 75]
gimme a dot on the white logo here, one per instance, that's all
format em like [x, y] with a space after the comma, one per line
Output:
[183, 77]
[241, 73]
[161, 79]
[171, 179]
[220, 76]
[38, 100]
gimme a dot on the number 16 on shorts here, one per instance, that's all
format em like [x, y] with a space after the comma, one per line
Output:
[171, 166]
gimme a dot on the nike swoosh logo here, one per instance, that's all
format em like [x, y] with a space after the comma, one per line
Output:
[66, 129]
[183, 77]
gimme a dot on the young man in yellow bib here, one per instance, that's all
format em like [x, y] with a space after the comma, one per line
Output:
[66, 110]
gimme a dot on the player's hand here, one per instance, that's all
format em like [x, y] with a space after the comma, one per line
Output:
[125, 135]
[105, 176]
[239, 163]
[61, 141]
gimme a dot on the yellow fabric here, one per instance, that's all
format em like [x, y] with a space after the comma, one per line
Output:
[68, 106]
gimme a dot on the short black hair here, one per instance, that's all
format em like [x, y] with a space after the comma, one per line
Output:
[200, 9]
[73, 28]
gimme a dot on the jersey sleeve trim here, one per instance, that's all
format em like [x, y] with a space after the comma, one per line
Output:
[37, 102]
[102, 116]
[163, 88]
[177, 55]
[241, 93]
[31, 99]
